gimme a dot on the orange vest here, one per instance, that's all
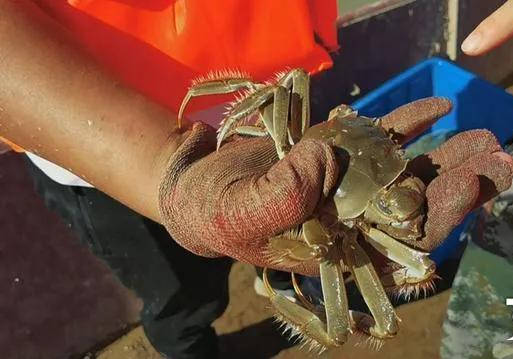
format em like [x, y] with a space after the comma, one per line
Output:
[158, 46]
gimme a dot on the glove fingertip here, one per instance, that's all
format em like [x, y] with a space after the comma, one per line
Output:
[459, 149]
[415, 117]
[504, 157]
[325, 156]
[450, 198]
[494, 173]
[453, 192]
[433, 107]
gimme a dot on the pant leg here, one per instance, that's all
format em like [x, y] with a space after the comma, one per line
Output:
[182, 293]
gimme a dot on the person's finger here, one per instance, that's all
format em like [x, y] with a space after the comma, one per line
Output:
[494, 172]
[491, 32]
[450, 197]
[504, 156]
[412, 119]
[453, 153]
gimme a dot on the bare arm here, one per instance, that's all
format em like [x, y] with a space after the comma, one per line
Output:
[57, 103]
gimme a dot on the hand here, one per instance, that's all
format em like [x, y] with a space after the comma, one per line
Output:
[462, 174]
[492, 32]
[231, 201]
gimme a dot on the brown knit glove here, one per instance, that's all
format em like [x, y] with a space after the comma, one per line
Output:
[231, 201]
[463, 173]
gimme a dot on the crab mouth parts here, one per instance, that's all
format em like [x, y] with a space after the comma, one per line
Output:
[401, 225]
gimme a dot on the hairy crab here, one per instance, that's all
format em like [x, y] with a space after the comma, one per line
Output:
[376, 202]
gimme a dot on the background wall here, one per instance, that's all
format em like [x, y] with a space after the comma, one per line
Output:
[382, 38]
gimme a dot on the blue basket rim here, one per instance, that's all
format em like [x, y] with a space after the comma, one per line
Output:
[427, 63]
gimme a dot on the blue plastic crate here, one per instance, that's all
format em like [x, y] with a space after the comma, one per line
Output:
[476, 104]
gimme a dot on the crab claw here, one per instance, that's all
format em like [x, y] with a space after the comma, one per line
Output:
[403, 271]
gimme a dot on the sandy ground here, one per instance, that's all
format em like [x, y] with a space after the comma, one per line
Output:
[58, 301]
[247, 331]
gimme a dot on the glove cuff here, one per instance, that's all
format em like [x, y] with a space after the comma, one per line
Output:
[199, 143]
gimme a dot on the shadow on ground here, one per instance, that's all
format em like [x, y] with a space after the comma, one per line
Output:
[56, 298]
[260, 340]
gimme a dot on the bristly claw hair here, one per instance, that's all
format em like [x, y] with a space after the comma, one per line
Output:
[218, 75]
[368, 341]
[238, 98]
[295, 333]
[413, 290]
[404, 290]
[280, 74]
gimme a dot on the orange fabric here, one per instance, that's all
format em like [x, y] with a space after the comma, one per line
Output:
[158, 46]
[14, 147]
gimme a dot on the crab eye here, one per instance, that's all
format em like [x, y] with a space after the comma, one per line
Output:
[383, 207]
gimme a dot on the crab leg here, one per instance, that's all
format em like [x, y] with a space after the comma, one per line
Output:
[301, 321]
[315, 245]
[280, 120]
[274, 116]
[285, 250]
[314, 234]
[332, 281]
[418, 266]
[299, 81]
[245, 108]
[293, 90]
[252, 131]
[370, 287]
[292, 86]
[311, 243]
[335, 301]
[338, 319]
[213, 87]
[299, 293]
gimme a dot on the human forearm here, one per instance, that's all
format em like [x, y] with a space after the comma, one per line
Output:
[57, 103]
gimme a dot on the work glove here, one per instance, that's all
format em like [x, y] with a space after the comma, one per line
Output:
[231, 201]
[462, 174]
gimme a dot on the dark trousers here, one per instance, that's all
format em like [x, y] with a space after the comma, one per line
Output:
[182, 293]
